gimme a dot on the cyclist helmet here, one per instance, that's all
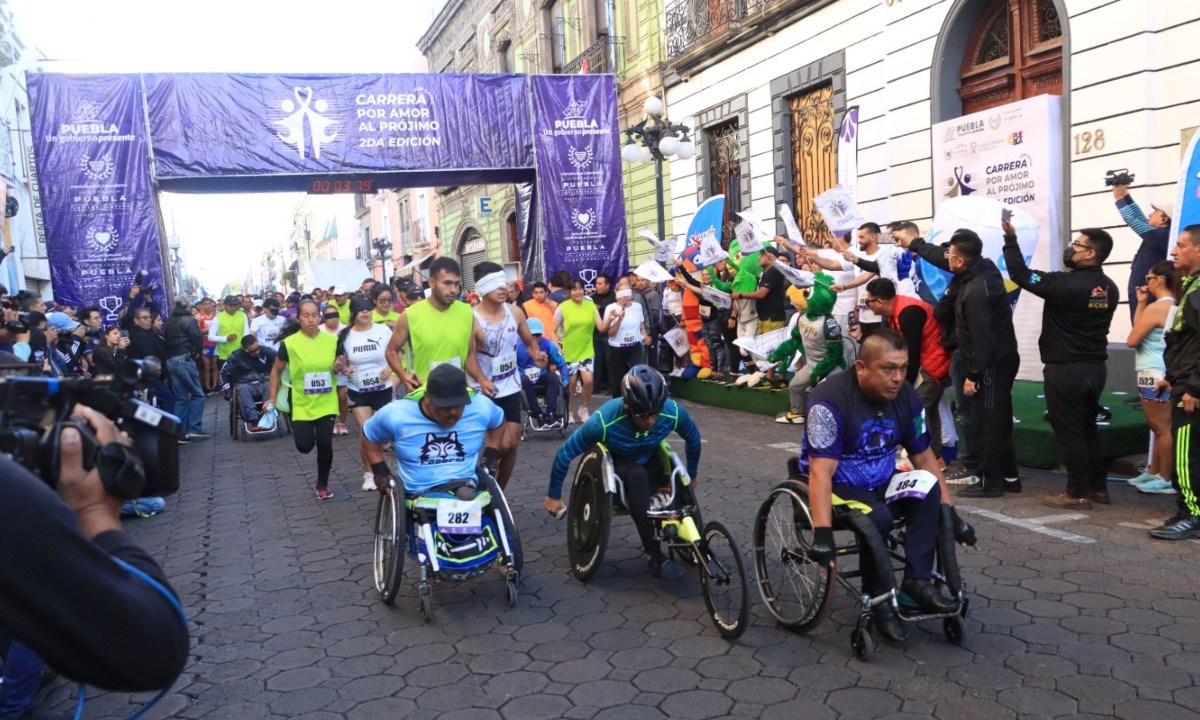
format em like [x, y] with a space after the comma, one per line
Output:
[644, 390]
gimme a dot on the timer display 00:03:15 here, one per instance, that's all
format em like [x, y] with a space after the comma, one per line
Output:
[342, 185]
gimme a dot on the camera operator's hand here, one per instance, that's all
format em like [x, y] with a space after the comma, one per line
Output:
[95, 510]
[1120, 191]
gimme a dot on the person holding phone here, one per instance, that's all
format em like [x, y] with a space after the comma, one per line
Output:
[1155, 310]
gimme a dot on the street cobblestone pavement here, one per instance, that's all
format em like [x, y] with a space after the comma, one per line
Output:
[286, 623]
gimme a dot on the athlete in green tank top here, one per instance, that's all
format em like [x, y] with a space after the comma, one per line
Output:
[574, 321]
[226, 324]
[438, 329]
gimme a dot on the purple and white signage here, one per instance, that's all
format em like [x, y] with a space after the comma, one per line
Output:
[580, 195]
[97, 200]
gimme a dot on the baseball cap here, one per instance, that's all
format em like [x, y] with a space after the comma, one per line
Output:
[231, 300]
[61, 322]
[535, 327]
[1166, 208]
[339, 289]
[447, 387]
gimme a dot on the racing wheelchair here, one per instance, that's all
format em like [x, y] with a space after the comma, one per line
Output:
[597, 492]
[455, 531]
[239, 429]
[529, 427]
[798, 591]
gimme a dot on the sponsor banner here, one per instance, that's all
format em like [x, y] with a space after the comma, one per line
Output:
[847, 153]
[839, 210]
[580, 195]
[1187, 200]
[1011, 154]
[96, 198]
[229, 125]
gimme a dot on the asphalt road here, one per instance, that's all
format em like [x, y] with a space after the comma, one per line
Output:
[1073, 614]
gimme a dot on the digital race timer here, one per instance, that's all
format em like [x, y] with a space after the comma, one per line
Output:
[327, 185]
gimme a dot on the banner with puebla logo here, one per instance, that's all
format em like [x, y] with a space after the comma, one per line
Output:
[581, 200]
[97, 201]
[430, 129]
[1011, 154]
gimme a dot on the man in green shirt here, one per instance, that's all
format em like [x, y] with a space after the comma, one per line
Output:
[440, 329]
[228, 328]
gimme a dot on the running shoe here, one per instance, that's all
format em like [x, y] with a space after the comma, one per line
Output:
[324, 494]
[1158, 486]
[790, 418]
[340, 429]
[197, 436]
[1144, 477]
[368, 482]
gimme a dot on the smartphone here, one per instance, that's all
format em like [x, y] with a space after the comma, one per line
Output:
[853, 317]
[1006, 215]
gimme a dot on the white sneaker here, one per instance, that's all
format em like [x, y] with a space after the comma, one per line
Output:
[368, 482]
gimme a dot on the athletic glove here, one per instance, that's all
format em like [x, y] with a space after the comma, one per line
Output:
[383, 476]
[823, 550]
[491, 461]
[963, 532]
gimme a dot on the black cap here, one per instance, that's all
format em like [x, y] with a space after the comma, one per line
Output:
[231, 300]
[358, 303]
[447, 386]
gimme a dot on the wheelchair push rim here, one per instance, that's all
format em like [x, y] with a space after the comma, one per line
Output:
[797, 592]
[723, 580]
[390, 545]
[589, 515]
[516, 558]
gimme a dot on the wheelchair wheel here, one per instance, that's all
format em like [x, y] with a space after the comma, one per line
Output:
[510, 592]
[796, 591]
[500, 503]
[953, 628]
[390, 544]
[233, 418]
[862, 643]
[589, 516]
[723, 581]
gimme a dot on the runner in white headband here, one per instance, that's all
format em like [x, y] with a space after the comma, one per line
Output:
[491, 282]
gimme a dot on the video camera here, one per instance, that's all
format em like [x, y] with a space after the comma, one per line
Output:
[1118, 177]
[34, 410]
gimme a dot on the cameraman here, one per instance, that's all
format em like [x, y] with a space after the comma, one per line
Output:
[1153, 230]
[64, 596]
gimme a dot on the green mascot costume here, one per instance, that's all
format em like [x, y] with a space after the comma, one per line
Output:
[818, 339]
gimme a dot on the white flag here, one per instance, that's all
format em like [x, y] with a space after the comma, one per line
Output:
[789, 222]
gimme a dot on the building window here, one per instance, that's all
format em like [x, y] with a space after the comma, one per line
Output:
[814, 156]
[1014, 52]
[558, 36]
[725, 169]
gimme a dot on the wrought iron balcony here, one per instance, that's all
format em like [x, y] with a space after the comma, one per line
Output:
[603, 56]
[691, 23]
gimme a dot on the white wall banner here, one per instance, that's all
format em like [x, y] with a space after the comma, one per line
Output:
[1011, 154]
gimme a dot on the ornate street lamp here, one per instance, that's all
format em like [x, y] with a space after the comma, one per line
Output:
[384, 247]
[652, 140]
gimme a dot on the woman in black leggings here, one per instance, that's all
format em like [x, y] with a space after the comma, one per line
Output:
[308, 355]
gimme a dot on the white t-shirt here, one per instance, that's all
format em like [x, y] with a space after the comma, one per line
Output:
[888, 257]
[267, 330]
[846, 299]
[365, 352]
[630, 330]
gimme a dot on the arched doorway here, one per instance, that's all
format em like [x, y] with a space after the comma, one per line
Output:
[513, 237]
[1015, 51]
[472, 250]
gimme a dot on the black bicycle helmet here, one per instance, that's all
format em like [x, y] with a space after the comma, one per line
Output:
[644, 390]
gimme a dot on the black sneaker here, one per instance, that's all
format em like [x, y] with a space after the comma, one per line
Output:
[980, 490]
[887, 620]
[197, 436]
[1012, 485]
[662, 567]
[1180, 528]
[923, 596]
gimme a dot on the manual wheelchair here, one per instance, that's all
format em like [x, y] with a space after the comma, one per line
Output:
[798, 591]
[239, 429]
[597, 491]
[529, 427]
[425, 526]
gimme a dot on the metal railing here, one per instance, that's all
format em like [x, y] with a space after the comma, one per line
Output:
[602, 56]
[690, 23]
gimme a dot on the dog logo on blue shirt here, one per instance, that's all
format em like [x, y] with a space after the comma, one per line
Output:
[442, 449]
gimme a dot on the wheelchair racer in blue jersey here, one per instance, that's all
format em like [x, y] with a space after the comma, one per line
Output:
[632, 427]
[855, 421]
[542, 375]
[436, 431]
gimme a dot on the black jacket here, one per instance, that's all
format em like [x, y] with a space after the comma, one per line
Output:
[983, 320]
[64, 597]
[1182, 355]
[1078, 310]
[183, 335]
[943, 311]
[241, 367]
[146, 343]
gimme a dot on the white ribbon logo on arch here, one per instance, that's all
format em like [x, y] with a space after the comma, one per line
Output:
[304, 110]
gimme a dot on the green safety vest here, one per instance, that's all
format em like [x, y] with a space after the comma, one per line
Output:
[439, 336]
[227, 325]
[310, 362]
[579, 322]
